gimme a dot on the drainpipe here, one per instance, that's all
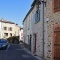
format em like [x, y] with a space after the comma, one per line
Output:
[43, 2]
[43, 28]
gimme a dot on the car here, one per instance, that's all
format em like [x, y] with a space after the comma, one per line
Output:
[3, 44]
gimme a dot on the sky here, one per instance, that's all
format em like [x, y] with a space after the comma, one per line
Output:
[14, 10]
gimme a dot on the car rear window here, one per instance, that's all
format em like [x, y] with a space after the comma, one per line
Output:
[3, 41]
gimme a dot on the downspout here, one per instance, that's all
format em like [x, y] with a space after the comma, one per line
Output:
[43, 28]
[43, 2]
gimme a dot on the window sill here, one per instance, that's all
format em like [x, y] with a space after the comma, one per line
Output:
[37, 22]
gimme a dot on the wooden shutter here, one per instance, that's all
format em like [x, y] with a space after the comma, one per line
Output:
[37, 16]
[56, 5]
[57, 44]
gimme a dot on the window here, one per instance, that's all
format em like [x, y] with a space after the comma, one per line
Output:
[5, 28]
[29, 25]
[10, 28]
[22, 38]
[5, 34]
[21, 34]
[10, 34]
[56, 5]
[37, 16]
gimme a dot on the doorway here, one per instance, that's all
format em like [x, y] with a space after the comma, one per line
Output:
[57, 44]
[35, 39]
[30, 41]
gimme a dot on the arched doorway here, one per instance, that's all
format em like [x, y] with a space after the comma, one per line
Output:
[57, 43]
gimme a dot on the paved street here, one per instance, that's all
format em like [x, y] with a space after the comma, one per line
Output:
[15, 52]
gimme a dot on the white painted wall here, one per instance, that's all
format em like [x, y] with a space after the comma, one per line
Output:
[15, 29]
[21, 36]
[0, 29]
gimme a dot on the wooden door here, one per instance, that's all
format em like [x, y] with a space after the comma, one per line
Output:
[35, 38]
[30, 41]
[57, 44]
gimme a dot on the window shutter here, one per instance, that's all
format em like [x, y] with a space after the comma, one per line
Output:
[38, 15]
[35, 17]
[59, 4]
[56, 5]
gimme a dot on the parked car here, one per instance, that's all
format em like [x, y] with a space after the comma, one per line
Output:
[3, 44]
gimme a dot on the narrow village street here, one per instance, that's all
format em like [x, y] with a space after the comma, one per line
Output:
[16, 52]
[29, 29]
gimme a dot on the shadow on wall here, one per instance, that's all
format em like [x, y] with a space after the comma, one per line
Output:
[14, 39]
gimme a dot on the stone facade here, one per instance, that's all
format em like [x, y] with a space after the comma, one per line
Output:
[52, 23]
[42, 47]
[32, 28]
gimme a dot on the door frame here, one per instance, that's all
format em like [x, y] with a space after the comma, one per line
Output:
[30, 41]
[53, 37]
[35, 39]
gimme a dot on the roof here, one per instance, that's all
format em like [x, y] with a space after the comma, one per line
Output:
[5, 21]
[32, 6]
[29, 11]
[21, 28]
[36, 2]
[33, 3]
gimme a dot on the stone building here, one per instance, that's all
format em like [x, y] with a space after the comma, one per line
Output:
[42, 28]
[33, 28]
[53, 30]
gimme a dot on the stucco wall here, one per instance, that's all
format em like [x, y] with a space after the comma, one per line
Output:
[25, 32]
[15, 29]
[21, 35]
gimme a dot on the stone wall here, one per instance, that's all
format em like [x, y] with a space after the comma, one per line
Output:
[53, 22]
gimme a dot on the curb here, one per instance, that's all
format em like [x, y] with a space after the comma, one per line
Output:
[39, 58]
